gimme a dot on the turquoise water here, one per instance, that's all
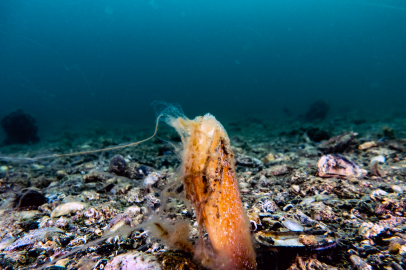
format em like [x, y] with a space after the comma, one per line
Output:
[107, 61]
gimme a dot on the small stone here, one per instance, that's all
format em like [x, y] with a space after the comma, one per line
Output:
[61, 174]
[67, 208]
[277, 170]
[38, 166]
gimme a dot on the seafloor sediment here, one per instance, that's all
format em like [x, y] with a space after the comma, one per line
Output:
[336, 204]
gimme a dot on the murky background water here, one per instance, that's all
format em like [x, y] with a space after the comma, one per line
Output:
[76, 62]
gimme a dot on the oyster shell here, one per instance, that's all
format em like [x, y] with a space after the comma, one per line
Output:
[338, 166]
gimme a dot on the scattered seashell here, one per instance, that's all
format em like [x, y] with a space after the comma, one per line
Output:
[369, 229]
[366, 145]
[32, 237]
[67, 208]
[6, 241]
[38, 166]
[338, 144]
[248, 161]
[380, 159]
[151, 179]
[133, 211]
[269, 158]
[376, 170]
[338, 166]
[397, 189]
[293, 225]
[272, 239]
[133, 260]
[359, 263]
[28, 215]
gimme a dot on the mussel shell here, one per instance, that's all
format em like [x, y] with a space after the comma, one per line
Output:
[277, 241]
[278, 250]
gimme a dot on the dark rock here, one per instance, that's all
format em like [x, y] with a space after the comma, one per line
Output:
[317, 135]
[117, 165]
[106, 188]
[165, 150]
[389, 133]
[20, 128]
[143, 171]
[338, 144]
[29, 198]
[317, 110]
[140, 172]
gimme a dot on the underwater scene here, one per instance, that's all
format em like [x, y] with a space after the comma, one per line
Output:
[174, 134]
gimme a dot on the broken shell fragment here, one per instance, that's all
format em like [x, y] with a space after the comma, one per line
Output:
[338, 166]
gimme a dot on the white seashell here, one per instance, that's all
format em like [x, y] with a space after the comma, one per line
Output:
[293, 225]
[67, 208]
[151, 179]
[380, 159]
[133, 260]
[397, 189]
